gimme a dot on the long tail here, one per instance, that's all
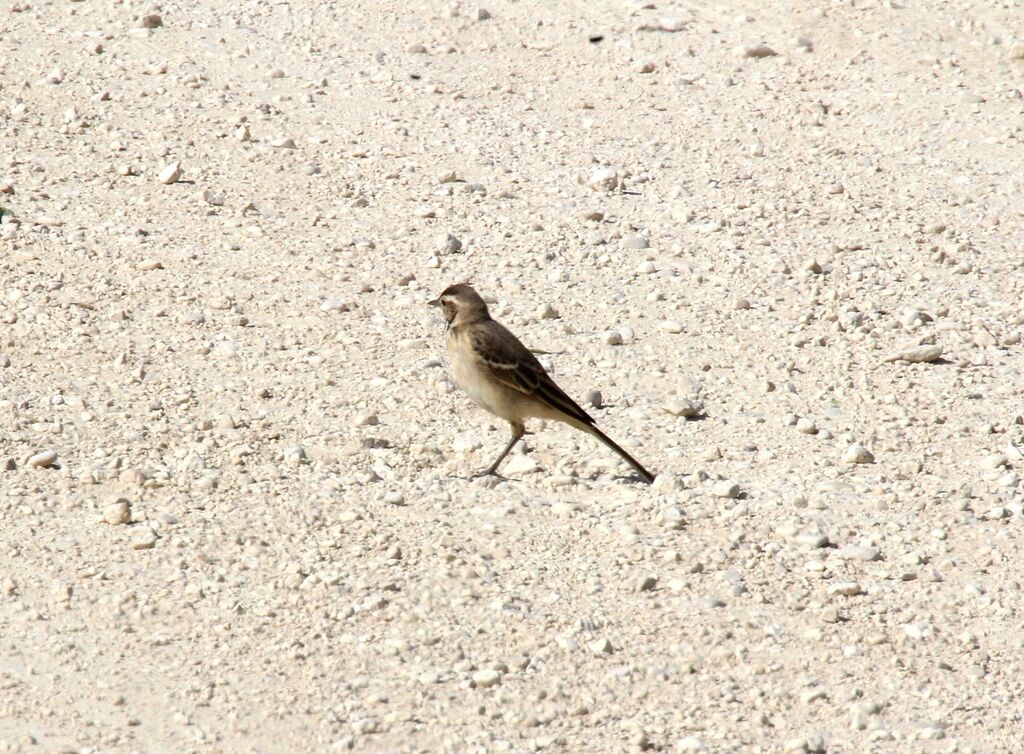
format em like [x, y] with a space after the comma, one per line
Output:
[593, 430]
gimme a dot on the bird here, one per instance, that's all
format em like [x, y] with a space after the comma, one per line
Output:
[503, 377]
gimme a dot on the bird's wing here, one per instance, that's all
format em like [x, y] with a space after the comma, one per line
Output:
[510, 362]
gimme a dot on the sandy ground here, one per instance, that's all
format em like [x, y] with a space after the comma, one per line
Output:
[785, 241]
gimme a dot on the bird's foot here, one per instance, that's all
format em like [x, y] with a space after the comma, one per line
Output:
[487, 474]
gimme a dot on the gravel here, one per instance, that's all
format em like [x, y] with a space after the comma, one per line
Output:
[240, 510]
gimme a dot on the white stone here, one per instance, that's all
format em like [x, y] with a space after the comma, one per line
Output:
[856, 552]
[520, 463]
[144, 539]
[689, 744]
[916, 354]
[726, 489]
[604, 179]
[465, 442]
[806, 426]
[118, 512]
[43, 459]
[601, 646]
[171, 173]
[846, 588]
[994, 461]
[683, 407]
[857, 453]
[295, 454]
[486, 678]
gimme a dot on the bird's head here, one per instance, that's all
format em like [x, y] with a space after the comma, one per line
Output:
[461, 305]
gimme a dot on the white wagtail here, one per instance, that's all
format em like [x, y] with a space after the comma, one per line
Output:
[501, 375]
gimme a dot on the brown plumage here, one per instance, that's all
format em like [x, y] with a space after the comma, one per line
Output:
[501, 375]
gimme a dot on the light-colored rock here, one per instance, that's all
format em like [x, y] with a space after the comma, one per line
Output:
[486, 678]
[683, 407]
[917, 354]
[857, 453]
[806, 426]
[690, 744]
[118, 512]
[520, 463]
[994, 461]
[144, 538]
[726, 489]
[170, 173]
[43, 459]
[846, 588]
[604, 179]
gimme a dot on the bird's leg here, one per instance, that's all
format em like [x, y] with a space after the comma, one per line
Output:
[518, 430]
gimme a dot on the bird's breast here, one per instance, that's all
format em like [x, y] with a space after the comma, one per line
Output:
[469, 376]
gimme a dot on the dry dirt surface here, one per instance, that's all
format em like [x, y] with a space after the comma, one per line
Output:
[784, 241]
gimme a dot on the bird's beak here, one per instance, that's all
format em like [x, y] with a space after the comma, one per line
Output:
[435, 302]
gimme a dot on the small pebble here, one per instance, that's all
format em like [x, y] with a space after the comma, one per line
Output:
[994, 461]
[521, 464]
[43, 459]
[683, 407]
[846, 589]
[145, 539]
[917, 354]
[334, 305]
[726, 489]
[647, 584]
[151, 21]
[856, 552]
[449, 244]
[604, 179]
[170, 174]
[806, 426]
[689, 744]
[857, 453]
[295, 454]
[486, 678]
[761, 50]
[465, 442]
[672, 518]
[672, 23]
[118, 512]
[673, 326]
